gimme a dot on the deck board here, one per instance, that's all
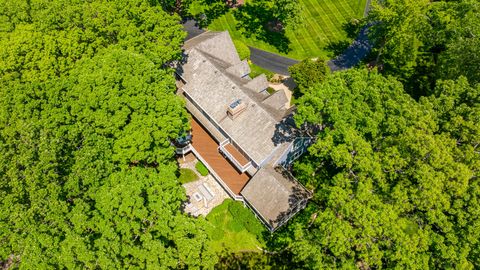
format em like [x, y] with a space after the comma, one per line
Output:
[236, 154]
[207, 147]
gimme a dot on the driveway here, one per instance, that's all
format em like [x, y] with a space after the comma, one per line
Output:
[270, 61]
[355, 53]
[192, 29]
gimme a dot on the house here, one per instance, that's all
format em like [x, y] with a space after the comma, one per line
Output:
[244, 135]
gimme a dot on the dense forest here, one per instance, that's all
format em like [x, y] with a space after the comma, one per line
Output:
[89, 179]
[87, 114]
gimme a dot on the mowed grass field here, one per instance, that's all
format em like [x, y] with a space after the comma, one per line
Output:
[231, 232]
[321, 25]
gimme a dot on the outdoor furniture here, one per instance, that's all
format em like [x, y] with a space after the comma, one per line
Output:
[205, 192]
[197, 196]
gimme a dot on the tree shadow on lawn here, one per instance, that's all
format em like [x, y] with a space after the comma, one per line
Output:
[213, 9]
[352, 28]
[254, 21]
[338, 47]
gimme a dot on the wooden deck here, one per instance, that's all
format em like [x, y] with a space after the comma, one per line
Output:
[236, 154]
[207, 147]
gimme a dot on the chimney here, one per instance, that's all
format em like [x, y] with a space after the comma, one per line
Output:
[236, 108]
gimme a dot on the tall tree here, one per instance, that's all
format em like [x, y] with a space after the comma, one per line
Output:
[421, 41]
[397, 30]
[88, 178]
[396, 181]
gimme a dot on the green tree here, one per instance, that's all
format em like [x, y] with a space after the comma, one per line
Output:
[88, 110]
[396, 180]
[397, 30]
[421, 41]
[308, 73]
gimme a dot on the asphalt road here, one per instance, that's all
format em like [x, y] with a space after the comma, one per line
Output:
[279, 64]
[355, 53]
[270, 61]
[190, 26]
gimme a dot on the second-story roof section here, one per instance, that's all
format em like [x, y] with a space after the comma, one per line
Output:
[213, 90]
[217, 44]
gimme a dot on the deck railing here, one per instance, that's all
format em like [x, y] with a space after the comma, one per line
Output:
[183, 150]
[242, 168]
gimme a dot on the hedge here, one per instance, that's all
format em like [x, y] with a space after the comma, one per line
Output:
[201, 168]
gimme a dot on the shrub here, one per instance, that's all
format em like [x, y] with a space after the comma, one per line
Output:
[309, 72]
[201, 169]
[187, 175]
[242, 49]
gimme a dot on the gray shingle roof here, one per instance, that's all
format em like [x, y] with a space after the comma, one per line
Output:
[218, 44]
[214, 91]
[275, 195]
[240, 69]
[277, 100]
[258, 83]
[212, 70]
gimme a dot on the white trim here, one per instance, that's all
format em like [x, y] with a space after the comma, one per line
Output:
[219, 126]
[239, 166]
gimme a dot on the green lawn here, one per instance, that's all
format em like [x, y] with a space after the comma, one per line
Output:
[234, 228]
[187, 176]
[322, 22]
[256, 71]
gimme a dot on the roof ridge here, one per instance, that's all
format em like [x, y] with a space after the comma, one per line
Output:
[247, 92]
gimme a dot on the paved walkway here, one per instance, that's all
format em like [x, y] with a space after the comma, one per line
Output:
[203, 195]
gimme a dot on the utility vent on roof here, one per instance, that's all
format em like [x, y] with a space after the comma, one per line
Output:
[236, 108]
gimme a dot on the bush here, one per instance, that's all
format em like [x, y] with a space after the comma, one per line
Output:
[309, 72]
[201, 169]
[187, 175]
[242, 49]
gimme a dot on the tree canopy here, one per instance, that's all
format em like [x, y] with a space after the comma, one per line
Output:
[422, 41]
[308, 73]
[88, 110]
[396, 180]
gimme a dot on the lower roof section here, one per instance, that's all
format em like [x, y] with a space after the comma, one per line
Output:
[275, 195]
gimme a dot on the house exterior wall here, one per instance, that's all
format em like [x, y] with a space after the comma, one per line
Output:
[294, 151]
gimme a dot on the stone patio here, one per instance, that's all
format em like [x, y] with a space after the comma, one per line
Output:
[203, 194]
